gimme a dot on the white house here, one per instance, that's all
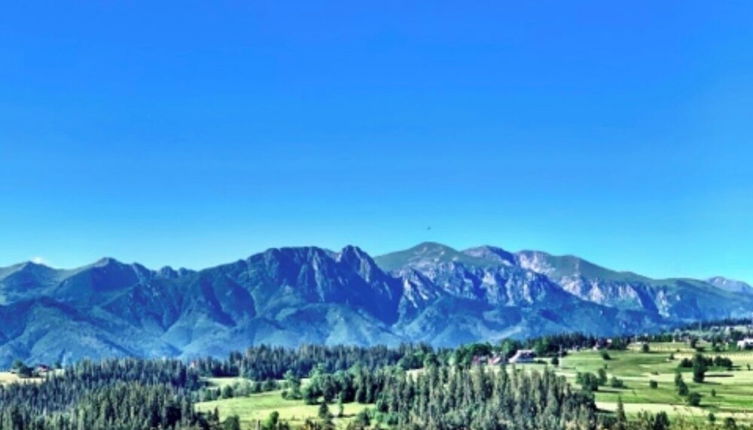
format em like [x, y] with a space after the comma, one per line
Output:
[745, 343]
[523, 356]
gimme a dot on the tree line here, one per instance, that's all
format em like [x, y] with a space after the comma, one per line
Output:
[127, 394]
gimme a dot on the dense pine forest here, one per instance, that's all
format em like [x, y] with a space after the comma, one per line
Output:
[410, 387]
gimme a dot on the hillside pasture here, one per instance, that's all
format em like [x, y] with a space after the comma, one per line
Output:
[10, 378]
[258, 406]
[732, 389]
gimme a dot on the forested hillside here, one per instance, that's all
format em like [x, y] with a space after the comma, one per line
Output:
[573, 382]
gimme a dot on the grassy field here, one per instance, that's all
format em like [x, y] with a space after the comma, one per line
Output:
[9, 378]
[259, 406]
[734, 389]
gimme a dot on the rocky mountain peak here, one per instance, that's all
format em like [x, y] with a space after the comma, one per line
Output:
[492, 253]
[360, 261]
[288, 296]
[107, 262]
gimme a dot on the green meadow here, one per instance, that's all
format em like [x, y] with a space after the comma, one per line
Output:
[725, 393]
[257, 407]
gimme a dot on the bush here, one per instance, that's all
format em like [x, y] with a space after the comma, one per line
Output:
[653, 384]
[602, 376]
[232, 423]
[271, 421]
[725, 362]
[682, 387]
[694, 399]
[605, 355]
[616, 382]
[227, 392]
[21, 369]
[588, 381]
[699, 368]
[645, 348]
[730, 424]
[362, 418]
[269, 385]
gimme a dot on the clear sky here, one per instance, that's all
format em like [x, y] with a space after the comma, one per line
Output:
[194, 133]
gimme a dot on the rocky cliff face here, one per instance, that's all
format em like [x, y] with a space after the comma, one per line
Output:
[288, 296]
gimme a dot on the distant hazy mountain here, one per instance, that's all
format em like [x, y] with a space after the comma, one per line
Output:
[288, 296]
[730, 285]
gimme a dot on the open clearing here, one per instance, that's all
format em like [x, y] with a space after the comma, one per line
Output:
[257, 407]
[9, 378]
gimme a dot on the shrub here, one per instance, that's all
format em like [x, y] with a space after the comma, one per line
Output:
[602, 376]
[699, 368]
[682, 387]
[616, 382]
[227, 392]
[232, 423]
[271, 421]
[653, 384]
[694, 399]
[725, 362]
[362, 418]
[730, 424]
[21, 369]
[588, 381]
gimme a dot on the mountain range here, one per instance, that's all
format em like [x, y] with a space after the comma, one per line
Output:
[291, 296]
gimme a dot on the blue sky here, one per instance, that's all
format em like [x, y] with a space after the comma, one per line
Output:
[195, 133]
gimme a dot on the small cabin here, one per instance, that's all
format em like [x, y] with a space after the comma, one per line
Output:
[523, 356]
[602, 344]
[41, 369]
[745, 343]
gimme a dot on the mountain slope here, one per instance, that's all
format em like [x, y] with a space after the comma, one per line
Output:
[289, 296]
[731, 285]
[682, 299]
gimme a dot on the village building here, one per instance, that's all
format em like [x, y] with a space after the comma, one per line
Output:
[41, 369]
[602, 344]
[523, 356]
